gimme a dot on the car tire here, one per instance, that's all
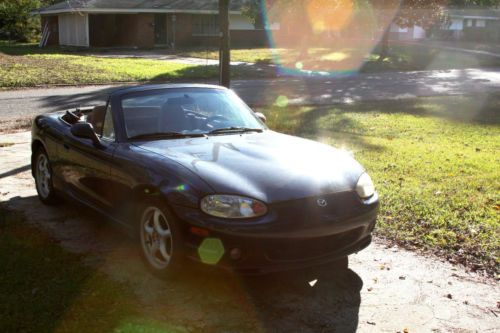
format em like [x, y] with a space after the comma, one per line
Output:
[42, 171]
[160, 239]
[341, 264]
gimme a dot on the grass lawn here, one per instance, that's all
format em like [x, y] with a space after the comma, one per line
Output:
[402, 57]
[25, 65]
[435, 164]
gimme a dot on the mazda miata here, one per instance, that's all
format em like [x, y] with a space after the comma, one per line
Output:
[194, 173]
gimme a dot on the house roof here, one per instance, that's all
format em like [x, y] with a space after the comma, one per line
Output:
[484, 13]
[140, 6]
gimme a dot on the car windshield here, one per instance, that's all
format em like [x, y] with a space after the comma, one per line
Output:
[176, 112]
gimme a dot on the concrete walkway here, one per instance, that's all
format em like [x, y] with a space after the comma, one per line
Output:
[464, 50]
[159, 55]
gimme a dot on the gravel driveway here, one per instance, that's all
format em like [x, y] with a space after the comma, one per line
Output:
[386, 289]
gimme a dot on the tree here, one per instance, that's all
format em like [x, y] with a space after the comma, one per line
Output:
[425, 14]
[404, 13]
[16, 21]
[254, 10]
[225, 51]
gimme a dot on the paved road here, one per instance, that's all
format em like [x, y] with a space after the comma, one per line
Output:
[299, 90]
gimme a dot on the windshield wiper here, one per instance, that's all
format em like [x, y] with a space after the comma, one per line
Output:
[157, 135]
[235, 129]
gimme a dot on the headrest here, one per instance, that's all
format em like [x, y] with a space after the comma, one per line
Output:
[97, 118]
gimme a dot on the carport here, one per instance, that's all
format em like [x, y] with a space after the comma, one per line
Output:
[121, 30]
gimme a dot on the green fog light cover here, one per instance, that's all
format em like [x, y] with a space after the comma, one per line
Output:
[211, 251]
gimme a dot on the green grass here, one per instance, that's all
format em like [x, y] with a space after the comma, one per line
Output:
[402, 57]
[435, 164]
[26, 65]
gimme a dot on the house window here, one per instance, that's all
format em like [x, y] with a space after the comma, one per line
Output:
[480, 23]
[469, 22]
[206, 25]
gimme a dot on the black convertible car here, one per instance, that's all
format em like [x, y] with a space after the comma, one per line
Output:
[195, 173]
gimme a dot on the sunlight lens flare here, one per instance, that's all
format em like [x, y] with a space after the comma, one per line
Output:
[211, 251]
[325, 37]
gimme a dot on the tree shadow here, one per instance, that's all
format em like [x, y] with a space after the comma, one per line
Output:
[15, 171]
[194, 74]
[202, 298]
[478, 109]
[94, 97]
[211, 72]
[44, 288]
[319, 123]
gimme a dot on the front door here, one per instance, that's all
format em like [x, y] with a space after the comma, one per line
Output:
[161, 29]
[86, 169]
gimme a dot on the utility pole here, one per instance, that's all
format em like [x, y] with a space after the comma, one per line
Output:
[224, 52]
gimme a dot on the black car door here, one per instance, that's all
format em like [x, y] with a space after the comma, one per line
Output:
[86, 167]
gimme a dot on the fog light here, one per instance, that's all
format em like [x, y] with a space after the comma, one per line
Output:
[235, 253]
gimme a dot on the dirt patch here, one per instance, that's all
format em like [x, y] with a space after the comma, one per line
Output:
[387, 289]
[14, 126]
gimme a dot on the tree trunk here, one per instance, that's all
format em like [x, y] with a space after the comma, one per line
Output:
[224, 53]
[384, 46]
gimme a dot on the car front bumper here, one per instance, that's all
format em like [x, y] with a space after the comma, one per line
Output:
[263, 248]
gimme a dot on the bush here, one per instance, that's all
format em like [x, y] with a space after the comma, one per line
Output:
[16, 21]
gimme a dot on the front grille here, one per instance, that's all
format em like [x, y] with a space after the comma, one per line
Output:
[338, 206]
[302, 249]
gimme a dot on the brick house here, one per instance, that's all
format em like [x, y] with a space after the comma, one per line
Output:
[143, 23]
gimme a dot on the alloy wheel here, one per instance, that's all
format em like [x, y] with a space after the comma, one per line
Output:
[156, 238]
[43, 176]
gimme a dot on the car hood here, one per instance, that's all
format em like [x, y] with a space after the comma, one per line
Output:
[268, 166]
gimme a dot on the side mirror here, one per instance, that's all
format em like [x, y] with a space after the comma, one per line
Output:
[261, 117]
[85, 131]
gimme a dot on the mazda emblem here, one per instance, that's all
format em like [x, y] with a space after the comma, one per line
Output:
[322, 202]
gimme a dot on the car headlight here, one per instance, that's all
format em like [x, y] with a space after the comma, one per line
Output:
[232, 206]
[365, 187]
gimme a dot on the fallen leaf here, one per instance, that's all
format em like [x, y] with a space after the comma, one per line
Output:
[370, 323]
[449, 296]
[402, 277]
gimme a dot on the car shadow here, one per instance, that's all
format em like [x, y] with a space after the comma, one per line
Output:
[202, 298]
[318, 299]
